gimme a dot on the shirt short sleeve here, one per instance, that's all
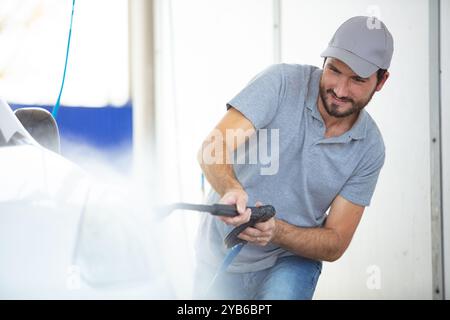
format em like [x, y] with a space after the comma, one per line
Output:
[360, 187]
[260, 99]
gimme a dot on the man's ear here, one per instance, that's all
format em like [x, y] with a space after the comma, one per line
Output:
[382, 81]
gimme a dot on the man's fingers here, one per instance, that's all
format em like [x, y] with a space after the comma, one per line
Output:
[260, 234]
[265, 226]
[262, 241]
[241, 218]
[228, 199]
[246, 237]
[238, 220]
[244, 214]
[254, 233]
[241, 205]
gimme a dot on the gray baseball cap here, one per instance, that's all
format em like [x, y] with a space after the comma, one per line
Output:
[363, 43]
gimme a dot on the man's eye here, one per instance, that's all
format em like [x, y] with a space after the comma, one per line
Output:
[360, 80]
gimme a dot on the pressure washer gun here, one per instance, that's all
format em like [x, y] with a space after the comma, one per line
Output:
[259, 214]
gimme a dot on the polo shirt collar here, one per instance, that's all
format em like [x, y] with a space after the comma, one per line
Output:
[357, 131]
[359, 128]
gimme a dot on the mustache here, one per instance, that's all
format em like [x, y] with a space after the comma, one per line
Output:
[345, 99]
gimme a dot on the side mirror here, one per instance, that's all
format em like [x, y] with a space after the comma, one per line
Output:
[41, 125]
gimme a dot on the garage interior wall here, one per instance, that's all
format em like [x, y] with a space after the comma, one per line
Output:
[206, 51]
[445, 124]
[390, 255]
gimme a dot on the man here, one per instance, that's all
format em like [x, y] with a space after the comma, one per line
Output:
[330, 156]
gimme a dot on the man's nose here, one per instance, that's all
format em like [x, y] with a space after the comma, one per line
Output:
[341, 89]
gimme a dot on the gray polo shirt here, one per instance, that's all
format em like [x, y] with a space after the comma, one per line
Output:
[312, 169]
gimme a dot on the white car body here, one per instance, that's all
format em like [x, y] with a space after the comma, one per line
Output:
[64, 235]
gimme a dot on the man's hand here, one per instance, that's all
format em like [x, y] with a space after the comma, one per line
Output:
[262, 233]
[239, 198]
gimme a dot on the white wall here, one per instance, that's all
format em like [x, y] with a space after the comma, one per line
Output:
[393, 239]
[206, 52]
[445, 105]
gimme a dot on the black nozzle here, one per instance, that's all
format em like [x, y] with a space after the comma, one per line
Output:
[259, 214]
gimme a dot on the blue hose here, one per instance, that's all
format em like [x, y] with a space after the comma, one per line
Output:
[234, 251]
[58, 101]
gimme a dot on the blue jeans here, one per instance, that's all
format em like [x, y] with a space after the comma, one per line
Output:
[291, 278]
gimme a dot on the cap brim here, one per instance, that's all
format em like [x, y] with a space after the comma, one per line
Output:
[361, 67]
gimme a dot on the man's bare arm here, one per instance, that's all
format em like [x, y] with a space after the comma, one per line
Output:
[219, 172]
[327, 243]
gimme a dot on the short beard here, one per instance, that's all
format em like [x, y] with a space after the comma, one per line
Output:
[332, 109]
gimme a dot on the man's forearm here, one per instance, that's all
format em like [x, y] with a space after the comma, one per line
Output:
[219, 173]
[313, 243]
[221, 177]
